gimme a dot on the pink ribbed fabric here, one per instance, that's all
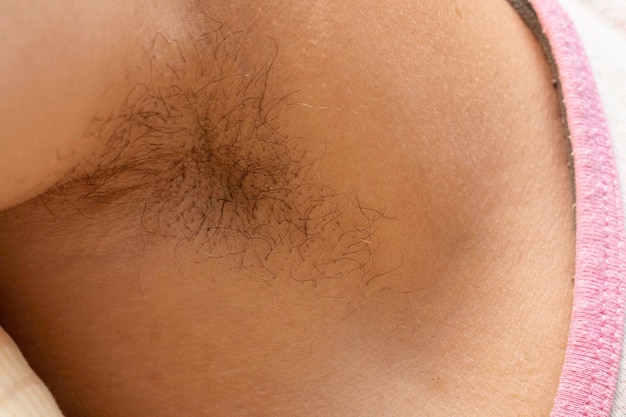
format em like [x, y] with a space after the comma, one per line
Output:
[591, 367]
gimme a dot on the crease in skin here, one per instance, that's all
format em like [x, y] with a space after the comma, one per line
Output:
[198, 144]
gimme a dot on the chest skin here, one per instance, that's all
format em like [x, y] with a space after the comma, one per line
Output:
[306, 210]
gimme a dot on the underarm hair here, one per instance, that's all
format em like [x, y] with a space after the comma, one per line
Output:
[198, 139]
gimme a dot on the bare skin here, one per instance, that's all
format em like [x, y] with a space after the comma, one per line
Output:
[286, 209]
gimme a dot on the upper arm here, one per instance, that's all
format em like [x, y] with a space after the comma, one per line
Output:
[57, 62]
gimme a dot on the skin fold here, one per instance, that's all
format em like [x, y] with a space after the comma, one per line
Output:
[284, 208]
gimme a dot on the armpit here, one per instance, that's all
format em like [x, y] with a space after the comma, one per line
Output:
[198, 143]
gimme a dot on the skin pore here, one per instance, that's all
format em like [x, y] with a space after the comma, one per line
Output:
[268, 208]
